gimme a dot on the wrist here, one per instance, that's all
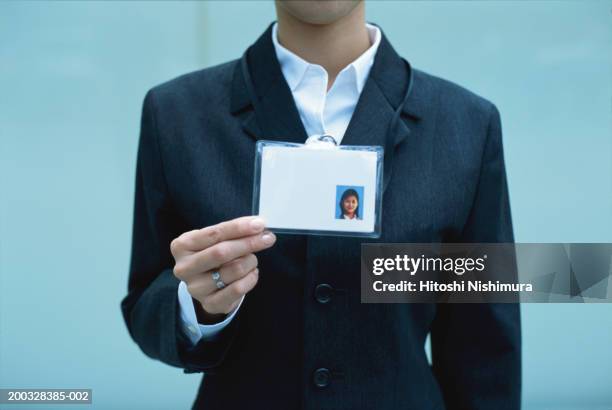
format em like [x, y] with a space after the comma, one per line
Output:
[205, 318]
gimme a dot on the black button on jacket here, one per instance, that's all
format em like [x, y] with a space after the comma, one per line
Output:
[448, 184]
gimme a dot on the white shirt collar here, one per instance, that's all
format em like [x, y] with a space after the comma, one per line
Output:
[294, 67]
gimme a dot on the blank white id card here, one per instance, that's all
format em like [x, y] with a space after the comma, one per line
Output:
[319, 190]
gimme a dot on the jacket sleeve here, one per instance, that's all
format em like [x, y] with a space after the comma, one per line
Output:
[151, 308]
[476, 348]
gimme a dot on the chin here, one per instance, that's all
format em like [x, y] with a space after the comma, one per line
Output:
[319, 12]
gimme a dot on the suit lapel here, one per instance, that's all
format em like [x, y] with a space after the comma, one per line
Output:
[383, 93]
[277, 117]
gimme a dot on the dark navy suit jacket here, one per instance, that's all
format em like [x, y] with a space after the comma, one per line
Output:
[447, 184]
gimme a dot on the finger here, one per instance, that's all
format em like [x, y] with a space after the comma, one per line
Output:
[238, 268]
[234, 305]
[224, 300]
[178, 247]
[202, 284]
[200, 239]
[223, 252]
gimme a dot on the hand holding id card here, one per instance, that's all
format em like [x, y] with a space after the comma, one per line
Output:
[319, 188]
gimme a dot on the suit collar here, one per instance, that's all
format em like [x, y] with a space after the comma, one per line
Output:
[382, 94]
[390, 75]
[276, 109]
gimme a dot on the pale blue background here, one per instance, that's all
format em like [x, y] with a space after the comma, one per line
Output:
[72, 78]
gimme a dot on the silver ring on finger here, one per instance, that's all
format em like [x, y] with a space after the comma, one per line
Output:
[216, 276]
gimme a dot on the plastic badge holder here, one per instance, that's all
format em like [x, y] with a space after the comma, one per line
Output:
[319, 188]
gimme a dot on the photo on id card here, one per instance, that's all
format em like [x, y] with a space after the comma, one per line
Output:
[304, 189]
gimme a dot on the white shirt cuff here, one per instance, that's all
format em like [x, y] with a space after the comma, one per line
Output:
[190, 325]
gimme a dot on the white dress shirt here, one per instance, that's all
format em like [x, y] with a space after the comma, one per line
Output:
[321, 112]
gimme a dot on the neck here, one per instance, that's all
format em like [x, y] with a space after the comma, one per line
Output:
[332, 46]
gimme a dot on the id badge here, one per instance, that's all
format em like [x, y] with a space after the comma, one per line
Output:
[319, 188]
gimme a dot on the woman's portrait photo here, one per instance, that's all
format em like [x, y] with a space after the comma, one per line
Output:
[348, 199]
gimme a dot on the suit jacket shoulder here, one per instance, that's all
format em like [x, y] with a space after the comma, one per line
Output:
[451, 92]
[210, 86]
[452, 100]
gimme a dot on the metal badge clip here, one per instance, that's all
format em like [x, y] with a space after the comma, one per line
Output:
[321, 142]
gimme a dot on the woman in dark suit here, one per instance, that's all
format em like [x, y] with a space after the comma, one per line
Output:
[286, 329]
